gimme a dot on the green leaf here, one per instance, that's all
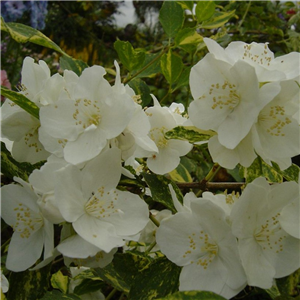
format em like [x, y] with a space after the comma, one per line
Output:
[75, 65]
[183, 79]
[205, 10]
[131, 59]
[141, 89]
[29, 285]
[260, 169]
[290, 174]
[188, 39]
[181, 174]
[128, 265]
[23, 34]
[218, 20]
[151, 65]
[171, 17]
[189, 133]
[171, 66]
[112, 277]
[158, 280]
[21, 100]
[10, 167]
[60, 282]
[186, 4]
[192, 295]
[288, 285]
[88, 285]
[160, 191]
[57, 295]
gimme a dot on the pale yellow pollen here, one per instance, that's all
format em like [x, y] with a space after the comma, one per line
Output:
[207, 252]
[101, 204]
[223, 95]
[157, 134]
[31, 139]
[262, 59]
[86, 113]
[276, 120]
[265, 234]
[137, 99]
[26, 224]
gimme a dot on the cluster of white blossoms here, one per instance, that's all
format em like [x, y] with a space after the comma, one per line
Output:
[88, 131]
[228, 242]
[251, 100]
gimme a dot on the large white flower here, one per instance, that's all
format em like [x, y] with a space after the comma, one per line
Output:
[267, 251]
[99, 213]
[167, 158]
[267, 67]
[91, 114]
[32, 232]
[227, 98]
[204, 247]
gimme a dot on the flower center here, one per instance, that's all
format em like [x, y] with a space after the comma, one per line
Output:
[27, 221]
[260, 57]
[275, 120]
[157, 134]
[223, 95]
[87, 113]
[101, 204]
[270, 235]
[208, 249]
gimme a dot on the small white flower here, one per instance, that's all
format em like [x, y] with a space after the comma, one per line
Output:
[167, 158]
[43, 183]
[266, 250]
[32, 232]
[4, 283]
[267, 67]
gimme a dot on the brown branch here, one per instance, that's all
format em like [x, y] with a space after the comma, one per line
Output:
[211, 185]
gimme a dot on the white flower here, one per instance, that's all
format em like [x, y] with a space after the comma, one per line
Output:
[201, 242]
[4, 283]
[266, 250]
[162, 119]
[260, 57]
[99, 213]
[77, 250]
[32, 232]
[276, 133]
[21, 128]
[289, 218]
[43, 183]
[243, 153]
[91, 114]
[227, 99]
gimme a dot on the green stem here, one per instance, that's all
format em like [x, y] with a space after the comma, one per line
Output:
[245, 14]
[212, 173]
[111, 294]
[145, 67]
[4, 245]
[152, 218]
[150, 247]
